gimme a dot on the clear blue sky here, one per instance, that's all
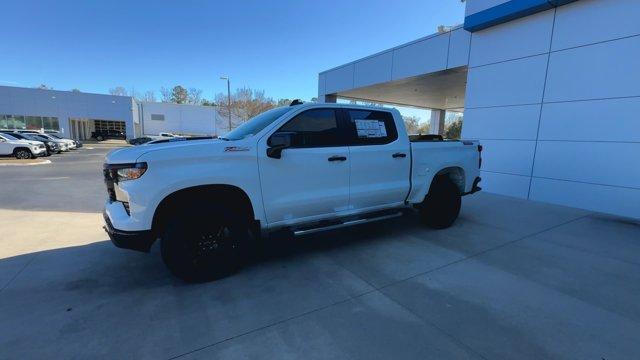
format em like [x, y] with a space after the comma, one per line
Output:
[277, 46]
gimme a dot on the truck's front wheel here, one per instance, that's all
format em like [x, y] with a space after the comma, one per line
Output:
[203, 244]
[441, 206]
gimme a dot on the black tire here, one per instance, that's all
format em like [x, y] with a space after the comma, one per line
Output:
[204, 243]
[441, 206]
[99, 138]
[21, 154]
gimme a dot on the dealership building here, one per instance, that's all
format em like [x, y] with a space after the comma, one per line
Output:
[550, 87]
[77, 115]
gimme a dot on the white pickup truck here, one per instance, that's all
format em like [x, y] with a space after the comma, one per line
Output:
[301, 168]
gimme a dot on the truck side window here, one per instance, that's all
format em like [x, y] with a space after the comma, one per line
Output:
[314, 128]
[370, 127]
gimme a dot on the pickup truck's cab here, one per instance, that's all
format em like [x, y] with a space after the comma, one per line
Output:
[300, 168]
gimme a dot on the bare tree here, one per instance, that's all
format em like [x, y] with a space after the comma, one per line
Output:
[149, 96]
[194, 96]
[165, 94]
[118, 91]
[284, 102]
[245, 103]
[415, 125]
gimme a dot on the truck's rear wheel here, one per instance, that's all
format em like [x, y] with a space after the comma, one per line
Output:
[441, 206]
[203, 244]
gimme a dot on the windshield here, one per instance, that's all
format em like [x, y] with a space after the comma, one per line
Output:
[55, 136]
[256, 124]
[8, 137]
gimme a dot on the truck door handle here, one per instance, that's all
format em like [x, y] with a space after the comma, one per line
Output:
[337, 158]
[399, 155]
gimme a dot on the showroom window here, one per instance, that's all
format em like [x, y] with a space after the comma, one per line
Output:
[157, 117]
[33, 122]
[20, 122]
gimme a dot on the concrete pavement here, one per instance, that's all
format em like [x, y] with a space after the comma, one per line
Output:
[511, 279]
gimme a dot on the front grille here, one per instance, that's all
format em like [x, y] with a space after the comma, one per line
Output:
[109, 179]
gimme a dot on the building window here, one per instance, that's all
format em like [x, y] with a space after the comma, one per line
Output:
[34, 122]
[158, 117]
[20, 122]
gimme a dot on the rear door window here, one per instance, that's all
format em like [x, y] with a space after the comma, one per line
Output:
[371, 127]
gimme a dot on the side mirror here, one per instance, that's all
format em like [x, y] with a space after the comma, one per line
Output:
[278, 142]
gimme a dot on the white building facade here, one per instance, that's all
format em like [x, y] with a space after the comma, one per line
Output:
[550, 87]
[76, 115]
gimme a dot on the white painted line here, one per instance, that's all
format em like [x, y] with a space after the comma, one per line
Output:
[55, 178]
[29, 164]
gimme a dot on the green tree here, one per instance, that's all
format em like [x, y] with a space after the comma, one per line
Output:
[453, 130]
[179, 95]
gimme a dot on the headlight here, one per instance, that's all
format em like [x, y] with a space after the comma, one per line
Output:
[130, 171]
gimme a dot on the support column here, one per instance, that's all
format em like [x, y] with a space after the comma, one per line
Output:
[328, 98]
[436, 125]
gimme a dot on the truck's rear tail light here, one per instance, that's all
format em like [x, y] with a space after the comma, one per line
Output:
[479, 156]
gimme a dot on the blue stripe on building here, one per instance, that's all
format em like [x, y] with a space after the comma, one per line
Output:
[508, 11]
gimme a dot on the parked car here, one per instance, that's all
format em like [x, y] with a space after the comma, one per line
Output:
[21, 149]
[62, 144]
[51, 146]
[140, 140]
[101, 135]
[166, 135]
[73, 144]
[300, 169]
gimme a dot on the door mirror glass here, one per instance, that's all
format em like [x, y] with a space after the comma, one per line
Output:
[278, 142]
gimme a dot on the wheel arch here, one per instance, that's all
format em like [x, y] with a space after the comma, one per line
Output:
[18, 148]
[231, 195]
[455, 174]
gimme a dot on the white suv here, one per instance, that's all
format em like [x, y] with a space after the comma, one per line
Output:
[21, 149]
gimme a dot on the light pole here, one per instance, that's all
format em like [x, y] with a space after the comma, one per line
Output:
[228, 97]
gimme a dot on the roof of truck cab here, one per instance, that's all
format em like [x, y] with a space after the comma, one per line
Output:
[336, 105]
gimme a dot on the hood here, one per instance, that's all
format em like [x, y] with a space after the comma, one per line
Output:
[29, 142]
[131, 154]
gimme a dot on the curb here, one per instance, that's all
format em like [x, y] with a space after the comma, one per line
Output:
[29, 164]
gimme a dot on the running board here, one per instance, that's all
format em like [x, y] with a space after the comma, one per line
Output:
[345, 224]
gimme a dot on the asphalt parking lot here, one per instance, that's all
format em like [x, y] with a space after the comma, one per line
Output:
[510, 280]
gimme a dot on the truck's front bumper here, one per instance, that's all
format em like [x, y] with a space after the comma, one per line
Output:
[133, 240]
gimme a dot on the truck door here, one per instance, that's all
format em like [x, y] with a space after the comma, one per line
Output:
[380, 160]
[311, 178]
[5, 147]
